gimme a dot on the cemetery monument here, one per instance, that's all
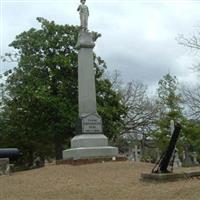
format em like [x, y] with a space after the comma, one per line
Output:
[90, 142]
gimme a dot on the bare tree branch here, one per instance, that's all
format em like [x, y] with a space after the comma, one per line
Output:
[192, 100]
[142, 111]
[192, 42]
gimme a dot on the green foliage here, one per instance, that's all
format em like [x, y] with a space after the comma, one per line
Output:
[169, 103]
[168, 97]
[41, 100]
[191, 135]
[170, 109]
[109, 108]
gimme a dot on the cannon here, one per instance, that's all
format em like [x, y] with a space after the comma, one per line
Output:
[11, 153]
[162, 165]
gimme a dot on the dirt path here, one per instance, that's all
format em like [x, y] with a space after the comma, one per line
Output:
[104, 181]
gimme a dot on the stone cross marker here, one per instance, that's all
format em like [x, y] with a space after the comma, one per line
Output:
[90, 140]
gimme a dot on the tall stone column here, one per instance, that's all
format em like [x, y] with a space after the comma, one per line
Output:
[90, 142]
[89, 120]
[86, 76]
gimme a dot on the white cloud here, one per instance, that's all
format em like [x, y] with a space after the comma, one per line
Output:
[138, 37]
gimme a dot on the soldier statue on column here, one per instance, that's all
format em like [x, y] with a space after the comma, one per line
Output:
[84, 14]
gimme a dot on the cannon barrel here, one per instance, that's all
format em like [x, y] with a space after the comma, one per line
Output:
[11, 153]
[161, 166]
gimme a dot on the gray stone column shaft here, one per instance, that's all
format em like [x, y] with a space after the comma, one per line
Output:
[90, 142]
[86, 82]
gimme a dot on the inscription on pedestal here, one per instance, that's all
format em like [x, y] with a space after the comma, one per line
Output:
[92, 124]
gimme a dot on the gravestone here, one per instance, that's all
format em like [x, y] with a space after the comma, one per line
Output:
[90, 142]
[4, 166]
[194, 158]
[177, 161]
[187, 161]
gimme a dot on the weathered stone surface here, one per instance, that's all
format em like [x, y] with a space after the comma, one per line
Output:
[92, 123]
[85, 40]
[89, 140]
[161, 177]
[4, 166]
[89, 124]
[169, 176]
[91, 160]
[86, 83]
[89, 152]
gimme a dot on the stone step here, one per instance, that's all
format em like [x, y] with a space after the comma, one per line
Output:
[89, 140]
[90, 152]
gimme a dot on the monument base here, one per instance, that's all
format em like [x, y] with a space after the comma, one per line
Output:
[89, 146]
[169, 176]
[84, 161]
[90, 152]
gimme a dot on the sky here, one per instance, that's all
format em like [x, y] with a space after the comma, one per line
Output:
[138, 37]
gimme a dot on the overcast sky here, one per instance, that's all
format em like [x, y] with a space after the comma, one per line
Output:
[138, 37]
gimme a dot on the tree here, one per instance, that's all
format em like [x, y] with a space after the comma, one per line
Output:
[41, 103]
[140, 115]
[169, 101]
[192, 128]
[141, 110]
[191, 97]
[193, 43]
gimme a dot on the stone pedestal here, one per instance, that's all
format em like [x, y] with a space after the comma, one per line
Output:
[90, 141]
[89, 146]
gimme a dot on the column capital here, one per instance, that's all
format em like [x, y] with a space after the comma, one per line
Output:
[85, 40]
